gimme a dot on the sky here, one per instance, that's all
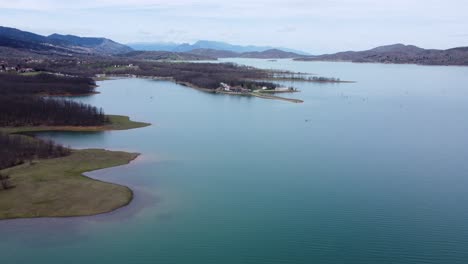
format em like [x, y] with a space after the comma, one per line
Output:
[315, 26]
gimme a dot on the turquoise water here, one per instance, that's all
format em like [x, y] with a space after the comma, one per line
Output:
[369, 172]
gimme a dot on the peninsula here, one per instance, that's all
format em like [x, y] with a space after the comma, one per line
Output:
[44, 179]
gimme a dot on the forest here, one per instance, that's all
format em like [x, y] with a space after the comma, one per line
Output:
[17, 149]
[20, 105]
[29, 110]
[45, 84]
[203, 75]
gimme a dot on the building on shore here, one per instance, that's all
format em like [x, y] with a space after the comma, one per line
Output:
[225, 87]
[284, 89]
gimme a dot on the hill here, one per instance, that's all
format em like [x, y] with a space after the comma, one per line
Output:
[97, 45]
[58, 44]
[399, 53]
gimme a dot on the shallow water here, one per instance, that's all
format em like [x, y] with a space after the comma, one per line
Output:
[367, 172]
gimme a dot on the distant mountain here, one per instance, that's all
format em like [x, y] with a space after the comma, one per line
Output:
[206, 45]
[399, 53]
[216, 45]
[267, 54]
[156, 46]
[215, 53]
[164, 55]
[270, 54]
[58, 44]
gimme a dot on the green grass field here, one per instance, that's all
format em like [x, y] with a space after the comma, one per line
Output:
[57, 188]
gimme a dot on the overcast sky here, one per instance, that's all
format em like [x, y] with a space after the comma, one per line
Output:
[314, 26]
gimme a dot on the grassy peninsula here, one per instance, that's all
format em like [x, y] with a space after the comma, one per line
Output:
[58, 188]
[44, 179]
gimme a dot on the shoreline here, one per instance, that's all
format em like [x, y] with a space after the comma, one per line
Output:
[58, 187]
[304, 80]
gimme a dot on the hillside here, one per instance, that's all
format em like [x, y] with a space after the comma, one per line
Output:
[56, 44]
[97, 45]
[399, 53]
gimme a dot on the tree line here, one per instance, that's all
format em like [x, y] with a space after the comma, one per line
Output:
[17, 149]
[38, 111]
[20, 104]
[46, 84]
[203, 75]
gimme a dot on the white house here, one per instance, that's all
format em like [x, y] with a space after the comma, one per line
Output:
[282, 89]
[225, 87]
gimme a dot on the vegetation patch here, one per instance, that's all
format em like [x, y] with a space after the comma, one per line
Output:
[116, 122]
[18, 149]
[42, 83]
[58, 188]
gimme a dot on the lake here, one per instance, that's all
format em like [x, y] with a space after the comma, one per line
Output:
[369, 172]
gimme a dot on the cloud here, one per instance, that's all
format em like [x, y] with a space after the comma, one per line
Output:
[323, 25]
[286, 29]
[459, 35]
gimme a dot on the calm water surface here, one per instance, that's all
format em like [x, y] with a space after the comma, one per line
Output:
[369, 172]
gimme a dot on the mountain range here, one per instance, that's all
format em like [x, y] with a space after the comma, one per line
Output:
[399, 53]
[266, 54]
[206, 45]
[19, 44]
